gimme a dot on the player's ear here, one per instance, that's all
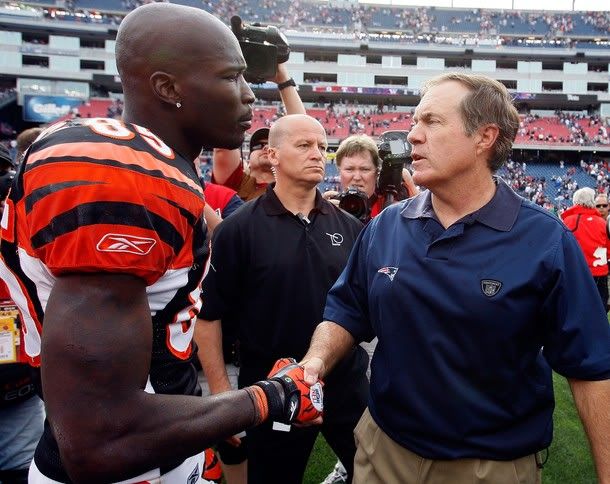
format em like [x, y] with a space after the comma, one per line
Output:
[164, 87]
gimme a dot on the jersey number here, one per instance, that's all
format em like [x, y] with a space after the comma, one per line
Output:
[601, 257]
[115, 129]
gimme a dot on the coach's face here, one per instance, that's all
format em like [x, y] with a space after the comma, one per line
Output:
[442, 151]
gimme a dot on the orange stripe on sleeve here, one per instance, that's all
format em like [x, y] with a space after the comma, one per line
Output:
[111, 151]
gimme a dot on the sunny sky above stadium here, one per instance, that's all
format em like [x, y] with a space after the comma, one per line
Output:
[518, 4]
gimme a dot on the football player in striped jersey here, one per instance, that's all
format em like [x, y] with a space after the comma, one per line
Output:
[103, 251]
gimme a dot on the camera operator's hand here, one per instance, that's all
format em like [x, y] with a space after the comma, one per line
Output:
[332, 196]
[281, 75]
[407, 181]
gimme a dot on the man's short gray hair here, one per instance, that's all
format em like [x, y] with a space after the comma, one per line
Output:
[584, 197]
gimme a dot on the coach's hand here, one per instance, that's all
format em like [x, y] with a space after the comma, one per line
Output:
[312, 369]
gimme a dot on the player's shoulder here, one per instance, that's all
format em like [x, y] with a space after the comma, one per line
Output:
[105, 145]
[101, 139]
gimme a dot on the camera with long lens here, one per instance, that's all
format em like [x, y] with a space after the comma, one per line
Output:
[263, 47]
[355, 202]
[394, 152]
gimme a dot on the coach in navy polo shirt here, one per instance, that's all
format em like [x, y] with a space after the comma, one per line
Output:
[474, 294]
[272, 264]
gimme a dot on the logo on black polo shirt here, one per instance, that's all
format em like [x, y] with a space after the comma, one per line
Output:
[335, 239]
[490, 287]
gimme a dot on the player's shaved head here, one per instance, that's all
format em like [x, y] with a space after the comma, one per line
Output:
[290, 124]
[166, 37]
[181, 70]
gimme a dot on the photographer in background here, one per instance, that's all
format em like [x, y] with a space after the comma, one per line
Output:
[359, 167]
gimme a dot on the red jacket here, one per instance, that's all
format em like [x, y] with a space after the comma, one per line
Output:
[589, 228]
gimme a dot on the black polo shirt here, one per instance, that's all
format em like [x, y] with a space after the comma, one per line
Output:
[270, 273]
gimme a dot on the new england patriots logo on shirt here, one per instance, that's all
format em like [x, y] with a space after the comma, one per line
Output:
[389, 271]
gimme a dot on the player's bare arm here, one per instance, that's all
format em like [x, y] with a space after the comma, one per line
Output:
[97, 350]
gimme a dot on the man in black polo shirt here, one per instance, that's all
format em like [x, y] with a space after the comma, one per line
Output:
[272, 264]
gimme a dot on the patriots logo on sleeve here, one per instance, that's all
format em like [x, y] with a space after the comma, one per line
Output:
[389, 271]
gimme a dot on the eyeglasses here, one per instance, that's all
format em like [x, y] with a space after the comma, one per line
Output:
[258, 146]
[602, 205]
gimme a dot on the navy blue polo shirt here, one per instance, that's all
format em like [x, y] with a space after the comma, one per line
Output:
[469, 318]
[270, 273]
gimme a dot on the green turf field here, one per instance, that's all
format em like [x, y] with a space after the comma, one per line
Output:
[569, 459]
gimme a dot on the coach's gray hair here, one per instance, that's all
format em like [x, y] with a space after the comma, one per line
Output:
[584, 197]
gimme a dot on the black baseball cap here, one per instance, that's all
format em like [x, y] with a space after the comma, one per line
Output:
[259, 135]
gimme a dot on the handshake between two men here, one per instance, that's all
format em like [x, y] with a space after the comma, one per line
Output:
[286, 397]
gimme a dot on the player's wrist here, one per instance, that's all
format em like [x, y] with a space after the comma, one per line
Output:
[268, 400]
[275, 398]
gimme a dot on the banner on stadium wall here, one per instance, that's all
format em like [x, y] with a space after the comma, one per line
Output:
[44, 109]
[387, 91]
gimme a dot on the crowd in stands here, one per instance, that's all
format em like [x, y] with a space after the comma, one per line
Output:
[416, 24]
[343, 119]
[564, 129]
[554, 190]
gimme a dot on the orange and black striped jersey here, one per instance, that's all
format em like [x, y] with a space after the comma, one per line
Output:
[98, 195]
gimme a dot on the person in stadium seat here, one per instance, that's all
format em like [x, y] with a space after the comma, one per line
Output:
[103, 252]
[271, 266]
[21, 410]
[590, 230]
[228, 167]
[475, 295]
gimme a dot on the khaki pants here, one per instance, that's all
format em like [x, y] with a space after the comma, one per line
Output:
[381, 460]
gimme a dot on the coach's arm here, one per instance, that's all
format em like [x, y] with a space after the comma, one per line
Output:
[329, 344]
[592, 399]
[96, 353]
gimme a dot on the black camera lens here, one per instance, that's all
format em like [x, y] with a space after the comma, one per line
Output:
[356, 203]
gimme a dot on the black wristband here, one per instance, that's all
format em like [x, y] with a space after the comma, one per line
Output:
[285, 407]
[275, 402]
[285, 84]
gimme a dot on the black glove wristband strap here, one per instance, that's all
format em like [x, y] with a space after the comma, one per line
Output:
[274, 401]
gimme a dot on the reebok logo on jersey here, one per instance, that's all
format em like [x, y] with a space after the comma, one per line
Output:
[125, 243]
[490, 287]
[389, 271]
